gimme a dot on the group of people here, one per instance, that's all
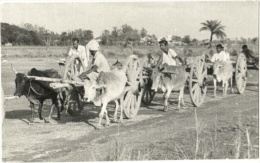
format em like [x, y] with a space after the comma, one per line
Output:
[169, 56]
[92, 68]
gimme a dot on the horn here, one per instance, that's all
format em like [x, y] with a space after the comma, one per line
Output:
[14, 69]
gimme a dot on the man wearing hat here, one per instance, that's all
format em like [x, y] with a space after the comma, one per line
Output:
[98, 63]
[221, 54]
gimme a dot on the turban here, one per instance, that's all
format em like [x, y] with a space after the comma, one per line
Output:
[93, 45]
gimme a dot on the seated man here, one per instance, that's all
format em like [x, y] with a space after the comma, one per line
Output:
[221, 54]
[250, 55]
[98, 64]
[169, 56]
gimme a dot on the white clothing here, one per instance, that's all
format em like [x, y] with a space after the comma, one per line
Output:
[222, 56]
[81, 52]
[169, 58]
[101, 62]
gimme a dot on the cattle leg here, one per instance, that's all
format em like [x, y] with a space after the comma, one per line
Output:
[116, 110]
[181, 98]
[226, 87]
[50, 115]
[215, 87]
[231, 85]
[107, 118]
[40, 110]
[31, 121]
[58, 103]
[166, 97]
[101, 114]
[121, 109]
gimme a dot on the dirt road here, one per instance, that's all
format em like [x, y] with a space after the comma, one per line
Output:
[160, 135]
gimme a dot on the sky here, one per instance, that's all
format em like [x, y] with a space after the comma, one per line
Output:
[159, 18]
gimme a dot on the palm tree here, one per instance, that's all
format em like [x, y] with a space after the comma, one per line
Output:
[215, 28]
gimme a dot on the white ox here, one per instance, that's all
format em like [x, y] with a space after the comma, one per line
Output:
[223, 71]
[170, 82]
[112, 85]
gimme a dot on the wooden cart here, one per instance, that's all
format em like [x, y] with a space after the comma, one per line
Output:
[74, 102]
[198, 75]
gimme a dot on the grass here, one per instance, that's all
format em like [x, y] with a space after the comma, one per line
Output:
[111, 51]
[235, 139]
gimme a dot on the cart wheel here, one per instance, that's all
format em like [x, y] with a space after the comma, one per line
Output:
[74, 69]
[75, 104]
[197, 80]
[240, 74]
[133, 95]
[148, 94]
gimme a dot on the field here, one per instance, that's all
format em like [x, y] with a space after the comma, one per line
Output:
[223, 127]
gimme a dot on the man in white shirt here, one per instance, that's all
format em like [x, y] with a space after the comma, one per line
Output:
[169, 56]
[76, 51]
[98, 64]
[221, 54]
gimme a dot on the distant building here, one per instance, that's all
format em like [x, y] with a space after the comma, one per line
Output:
[8, 44]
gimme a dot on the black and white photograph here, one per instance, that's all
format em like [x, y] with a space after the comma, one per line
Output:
[87, 81]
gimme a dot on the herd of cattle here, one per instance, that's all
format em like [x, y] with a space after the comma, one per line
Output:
[39, 91]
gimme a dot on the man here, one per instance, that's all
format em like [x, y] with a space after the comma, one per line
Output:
[98, 64]
[169, 56]
[221, 54]
[250, 56]
[248, 53]
[76, 51]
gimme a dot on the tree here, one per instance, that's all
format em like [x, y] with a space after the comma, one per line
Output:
[254, 40]
[215, 28]
[115, 33]
[176, 38]
[105, 37]
[186, 39]
[88, 35]
[143, 33]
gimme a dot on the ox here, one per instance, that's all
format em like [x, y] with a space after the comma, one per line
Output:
[112, 86]
[222, 71]
[169, 82]
[39, 91]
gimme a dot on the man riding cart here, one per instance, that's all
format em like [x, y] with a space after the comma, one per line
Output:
[251, 58]
[98, 63]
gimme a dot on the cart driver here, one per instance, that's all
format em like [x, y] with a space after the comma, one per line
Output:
[169, 56]
[250, 55]
[99, 62]
[221, 54]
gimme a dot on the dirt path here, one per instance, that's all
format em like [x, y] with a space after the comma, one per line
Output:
[162, 133]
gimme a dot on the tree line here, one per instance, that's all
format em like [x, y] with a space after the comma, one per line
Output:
[28, 34]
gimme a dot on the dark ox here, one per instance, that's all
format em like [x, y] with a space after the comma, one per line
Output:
[39, 91]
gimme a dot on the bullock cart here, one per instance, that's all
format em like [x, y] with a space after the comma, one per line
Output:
[75, 102]
[198, 67]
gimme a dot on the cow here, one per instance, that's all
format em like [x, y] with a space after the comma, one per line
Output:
[112, 87]
[39, 91]
[169, 82]
[222, 71]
